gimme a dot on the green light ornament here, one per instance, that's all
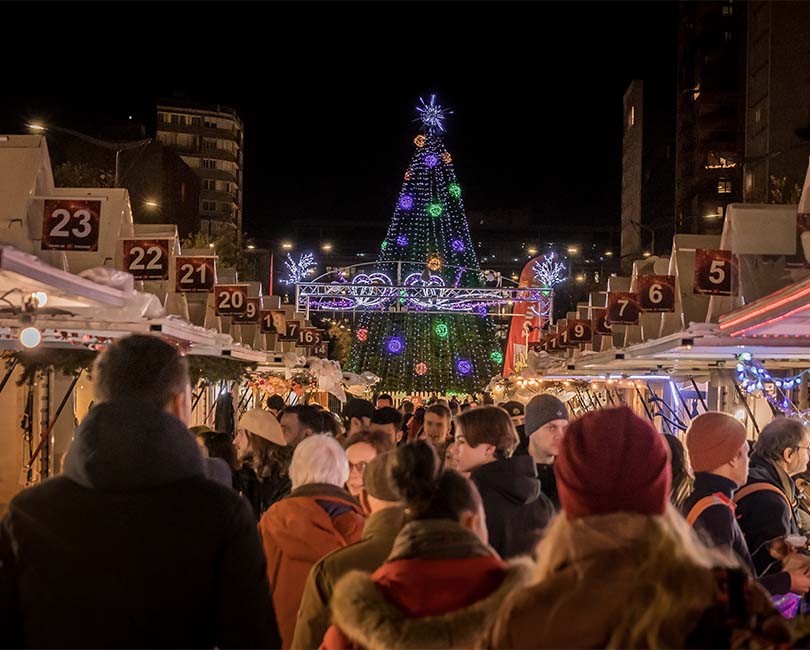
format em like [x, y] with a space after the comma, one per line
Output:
[455, 190]
[441, 330]
[434, 210]
[384, 245]
[496, 356]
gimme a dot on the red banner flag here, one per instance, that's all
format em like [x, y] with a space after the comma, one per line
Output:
[526, 322]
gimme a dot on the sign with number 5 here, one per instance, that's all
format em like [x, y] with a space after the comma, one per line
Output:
[716, 272]
[70, 225]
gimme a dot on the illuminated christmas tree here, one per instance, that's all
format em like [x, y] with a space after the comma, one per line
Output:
[428, 244]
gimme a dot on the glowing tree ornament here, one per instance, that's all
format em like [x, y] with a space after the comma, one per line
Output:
[394, 345]
[406, 202]
[454, 189]
[434, 262]
[434, 210]
[432, 115]
[447, 158]
[419, 141]
[300, 269]
[402, 240]
[463, 366]
[441, 330]
[431, 160]
[496, 356]
[362, 334]
[421, 368]
[457, 245]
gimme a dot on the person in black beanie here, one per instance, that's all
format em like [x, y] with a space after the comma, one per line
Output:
[517, 412]
[546, 422]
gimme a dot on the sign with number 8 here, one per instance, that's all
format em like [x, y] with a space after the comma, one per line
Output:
[70, 225]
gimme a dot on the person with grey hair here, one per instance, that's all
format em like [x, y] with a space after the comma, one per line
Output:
[765, 505]
[318, 517]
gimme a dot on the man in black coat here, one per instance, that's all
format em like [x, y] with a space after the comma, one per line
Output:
[765, 505]
[718, 451]
[516, 509]
[132, 546]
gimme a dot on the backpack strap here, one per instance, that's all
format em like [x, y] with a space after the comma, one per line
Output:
[715, 499]
[759, 487]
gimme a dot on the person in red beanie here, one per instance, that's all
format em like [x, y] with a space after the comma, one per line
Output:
[619, 567]
[718, 450]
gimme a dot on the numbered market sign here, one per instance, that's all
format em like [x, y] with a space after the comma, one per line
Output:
[623, 308]
[293, 326]
[716, 272]
[656, 293]
[251, 313]
[600, 324]
[309, 336]
[230, 299]
[195, 274]
[70, 225]
[565, 340]
[579, 331]
[274, 320]
[322, 349]
[147, 259]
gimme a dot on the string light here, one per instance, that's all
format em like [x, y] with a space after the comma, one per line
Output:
[298, 270]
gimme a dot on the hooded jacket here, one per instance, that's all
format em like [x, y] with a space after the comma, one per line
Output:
[515, 506]
[439, 588]
[379, 533]
[764, 515]
[579, 604]
[132, 546]
[297, 532]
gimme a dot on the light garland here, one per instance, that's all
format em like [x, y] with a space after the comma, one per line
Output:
[298, 270]
[548, 273]
[755, 380]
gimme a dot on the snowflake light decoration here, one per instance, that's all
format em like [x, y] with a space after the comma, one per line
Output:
[548, 272]
[432, 115]
[300, 269]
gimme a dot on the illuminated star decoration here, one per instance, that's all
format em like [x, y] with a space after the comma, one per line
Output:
[548, 272]
[300, 269]
[432, 115]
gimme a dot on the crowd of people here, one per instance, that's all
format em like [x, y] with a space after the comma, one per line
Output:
[444, 526]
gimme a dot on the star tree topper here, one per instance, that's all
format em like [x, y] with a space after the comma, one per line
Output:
[432, 115]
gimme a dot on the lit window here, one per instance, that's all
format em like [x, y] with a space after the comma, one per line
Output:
[716, 161]
[209, 124]
[720, 210]
[207, 163]
[631, 120]
[727, 11]
[724, 186]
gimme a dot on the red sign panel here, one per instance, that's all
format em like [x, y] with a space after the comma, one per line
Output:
[251, 313]
[230, 299]
[195, 274]
[656, 293]
[716, 272]
[600, 324]
[309, 336]
[147, 259]
[623, 308]
[579, 331]
[293, 326]
[70, 225]
[274, 320]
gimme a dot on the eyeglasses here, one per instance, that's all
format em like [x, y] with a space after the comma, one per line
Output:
[360, 467]
[807, 448]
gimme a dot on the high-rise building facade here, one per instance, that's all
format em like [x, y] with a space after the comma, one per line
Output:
[710, 115]
[210, 139]
[777, 129]
[647, 171]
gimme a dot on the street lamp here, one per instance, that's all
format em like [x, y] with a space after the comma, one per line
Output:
[116, 146]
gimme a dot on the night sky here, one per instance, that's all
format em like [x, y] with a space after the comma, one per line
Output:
[328, 91]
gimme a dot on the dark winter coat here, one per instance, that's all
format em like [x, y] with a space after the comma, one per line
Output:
[379, 533]
[718, 525]
[218, 470]
[548, 483]
[224, 414]
[439, 588]
[765, 515]
[516, 508]
[261, 493]
[133, 546]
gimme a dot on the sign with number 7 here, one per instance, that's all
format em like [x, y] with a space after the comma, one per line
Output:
[716, 272]
[622, 308]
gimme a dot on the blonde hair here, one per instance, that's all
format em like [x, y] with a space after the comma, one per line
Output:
[673, 564]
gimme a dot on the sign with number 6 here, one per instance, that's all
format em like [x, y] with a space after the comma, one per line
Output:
[230, 299]
[716, 272]
[656, 292]
[70, 225]
[147, 259]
